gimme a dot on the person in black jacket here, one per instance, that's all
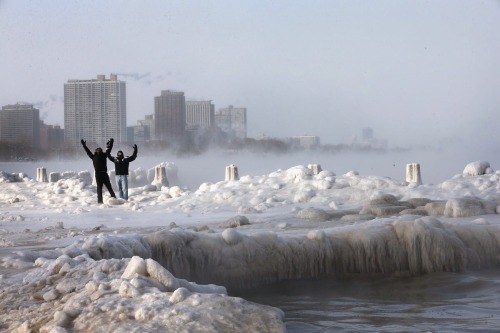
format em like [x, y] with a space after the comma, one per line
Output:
[100, 168]
[121, 171]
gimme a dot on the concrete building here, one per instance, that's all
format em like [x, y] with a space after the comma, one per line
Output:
[51, 136]
[95, 110]
[170, 116]
[304, 141]
[138, 133]
[200, 115]
[232, 121]
[20, 123]
[149, 121]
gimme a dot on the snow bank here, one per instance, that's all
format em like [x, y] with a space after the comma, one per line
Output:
[81, 294]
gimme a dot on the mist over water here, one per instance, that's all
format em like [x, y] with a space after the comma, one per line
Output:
[436, 165]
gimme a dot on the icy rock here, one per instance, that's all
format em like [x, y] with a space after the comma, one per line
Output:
[384, 199]
[477, 168]
[109, 246]
[313, 214]
[231, 236]
[421, 212]
[463, 207]
[236, 221]
[150, 188]
[51, 295]
[304, 195]
[435, 208]
[126, 289]
[318, 235]
[136, 265]
[14, 200]
[162, 275]
[204, 289]
[179, 295]
[62, 319]
[298, 173]
[418, 202]
[248, 210]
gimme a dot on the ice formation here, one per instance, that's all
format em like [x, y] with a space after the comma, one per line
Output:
[169, 256]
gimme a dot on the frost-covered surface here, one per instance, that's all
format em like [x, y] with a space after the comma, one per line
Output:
[169, 256]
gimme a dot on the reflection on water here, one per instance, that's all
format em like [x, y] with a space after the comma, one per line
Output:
[445, 302]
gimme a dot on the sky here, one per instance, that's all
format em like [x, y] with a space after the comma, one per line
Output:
[416, 72]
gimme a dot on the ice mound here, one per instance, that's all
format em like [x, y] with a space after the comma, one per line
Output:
[83, 295]
[477, 168]
[407, 244]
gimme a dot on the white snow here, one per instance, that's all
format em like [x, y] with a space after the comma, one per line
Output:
[167, 259]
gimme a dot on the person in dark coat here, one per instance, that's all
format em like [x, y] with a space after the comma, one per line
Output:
[100, 167]
[121, 171]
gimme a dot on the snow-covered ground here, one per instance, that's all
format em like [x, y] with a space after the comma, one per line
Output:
[169, 258]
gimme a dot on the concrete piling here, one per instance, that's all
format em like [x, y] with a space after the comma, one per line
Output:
[54, 177]
[413, 174]
[316, 168]
[232, 172]
[160, 176]
[41, 175]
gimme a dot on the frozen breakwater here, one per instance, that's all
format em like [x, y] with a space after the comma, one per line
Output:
[169, 255]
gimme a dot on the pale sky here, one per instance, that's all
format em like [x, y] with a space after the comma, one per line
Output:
[417, 72]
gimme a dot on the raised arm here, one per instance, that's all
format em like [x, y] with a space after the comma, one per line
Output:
[84, 144]
[134, 155]
[109, 147]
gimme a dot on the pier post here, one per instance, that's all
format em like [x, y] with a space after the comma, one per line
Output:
[160, 176]
[316, 168]
[232, 172]
[413, 174]
[54, 177]
[41, 175]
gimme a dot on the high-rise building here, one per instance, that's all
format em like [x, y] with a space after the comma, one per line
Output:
[149, 121]
[95, 110]
[138, 133]
[20, 123]
[199, 115]
[170, 116]
[51, 136]
[232, 121]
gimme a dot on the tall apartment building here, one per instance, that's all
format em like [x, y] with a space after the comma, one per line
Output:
[95, 110]
[51, 136]
[232, 121]
[170, 116]
[149, 121]
[200, 115]
[20, 123]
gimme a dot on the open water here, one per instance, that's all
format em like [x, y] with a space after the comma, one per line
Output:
[441, 302]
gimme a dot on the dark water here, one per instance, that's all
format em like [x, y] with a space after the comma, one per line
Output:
[444, 302]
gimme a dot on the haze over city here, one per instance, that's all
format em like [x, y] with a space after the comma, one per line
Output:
[416, 72]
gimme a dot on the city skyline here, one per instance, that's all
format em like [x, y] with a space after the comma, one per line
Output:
[418, 72]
